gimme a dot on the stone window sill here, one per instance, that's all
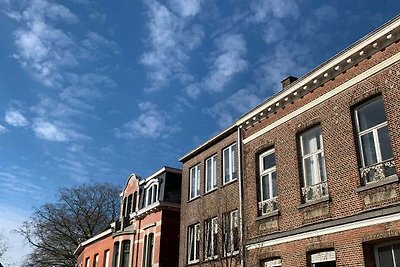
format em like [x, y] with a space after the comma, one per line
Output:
[314, 202]
[388, 180]
[268, 215]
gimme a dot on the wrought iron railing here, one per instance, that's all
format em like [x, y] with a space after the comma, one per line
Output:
[315, 191]
[378, 171]
[268, 206]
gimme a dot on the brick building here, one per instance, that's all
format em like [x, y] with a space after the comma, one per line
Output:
[309, 176]
[146, 235]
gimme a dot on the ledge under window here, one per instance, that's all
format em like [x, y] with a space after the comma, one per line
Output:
[314, 202]
[268, 215]
[388, 180]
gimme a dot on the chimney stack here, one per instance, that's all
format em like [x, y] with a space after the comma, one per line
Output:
[287, 81]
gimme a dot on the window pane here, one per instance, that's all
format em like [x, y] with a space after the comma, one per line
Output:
[368, 147]
[208, 174]
[274, 186]
[308, 169]
[311, 141]
[371, 114]
[321, 163]
[384, 143]
[233, 159]
[385, 256]
[268, 161]
[226, 165]
[214, 172]
[265, 187]
[396, 252]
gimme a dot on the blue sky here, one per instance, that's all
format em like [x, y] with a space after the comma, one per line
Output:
[91, 91]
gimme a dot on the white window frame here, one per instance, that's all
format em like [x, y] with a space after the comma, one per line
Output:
[273, 263]
[213, 179]
[96, 260]
[106, 258]
[233, 223]
[193, 243]
[151, 191]
[194, 182]
[87, 262]
[146, 250]
[376, 255]
[323, 256]
[314, 155]
[374, 131]
[210, 230]
[268, 172]
[232, 164]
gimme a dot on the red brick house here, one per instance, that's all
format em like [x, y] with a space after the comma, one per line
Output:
[147, 233]
[310, 176]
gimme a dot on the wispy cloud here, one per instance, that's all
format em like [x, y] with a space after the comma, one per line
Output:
[228, 62]
[226, 111]
[3, 129]
[15, 118]
[171, 37]
[264, 10]
[151, 123]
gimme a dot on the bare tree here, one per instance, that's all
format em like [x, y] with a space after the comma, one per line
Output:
[3, 246]
[56, 229]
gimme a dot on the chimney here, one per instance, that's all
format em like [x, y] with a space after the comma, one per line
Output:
[287, 81]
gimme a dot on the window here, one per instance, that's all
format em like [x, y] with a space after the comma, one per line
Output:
[106, 258]
[374, 143]
[87, 262]
[387, 255]
[210, 238]
[194, 182]
[229, 162]
[96, 260]
[211, 173]
[272, 263]
[148, 250]
[151, 194]
[134, 204]
[231, 232]
[129, 206]
[193, 243]
[115, 254]
[126, 246]
[323, 259]
[267, 185]
[123, 207]
[313, 163]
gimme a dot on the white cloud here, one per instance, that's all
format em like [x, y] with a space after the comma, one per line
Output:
[170, 40]
[48, 131]
[274, 31]
[264, 10]
[186, 8]
[225, 112]
[15, 118]
[230, 61]
[3, 129]
[151, 123]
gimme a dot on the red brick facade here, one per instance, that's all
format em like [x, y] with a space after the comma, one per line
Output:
[347, 221]
[148, 217]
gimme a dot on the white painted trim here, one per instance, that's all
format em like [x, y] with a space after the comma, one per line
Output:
[327, 231]
[163, 169]
[375, 69]
[96, 237]
[337, 59]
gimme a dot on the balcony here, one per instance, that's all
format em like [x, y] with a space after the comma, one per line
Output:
[268, 206]
[315, 191]
[379, 171]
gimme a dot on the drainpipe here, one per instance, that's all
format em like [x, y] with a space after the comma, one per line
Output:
[240, 178]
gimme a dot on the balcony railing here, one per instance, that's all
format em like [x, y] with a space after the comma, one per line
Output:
[378, 171]
[315, 191]
[268, 206]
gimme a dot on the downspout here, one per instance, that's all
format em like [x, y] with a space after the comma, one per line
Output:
[240, 178]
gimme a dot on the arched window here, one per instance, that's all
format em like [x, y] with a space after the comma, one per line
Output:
[151, 194]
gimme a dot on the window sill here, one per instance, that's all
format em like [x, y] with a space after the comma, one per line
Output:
[314, 202]
[210, 191]
[229, 182]
[268, 215]
[192, 262]
[388, 180]
[192, 199]
[212, 258]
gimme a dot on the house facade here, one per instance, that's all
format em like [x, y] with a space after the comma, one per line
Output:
[310, 176]
[147, 233]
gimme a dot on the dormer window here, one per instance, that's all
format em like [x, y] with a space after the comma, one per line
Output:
[151, 194]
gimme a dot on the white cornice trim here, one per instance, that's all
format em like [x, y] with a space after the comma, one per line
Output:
[384, 64]
[337, 60]
[327, 231]
[160, 171]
